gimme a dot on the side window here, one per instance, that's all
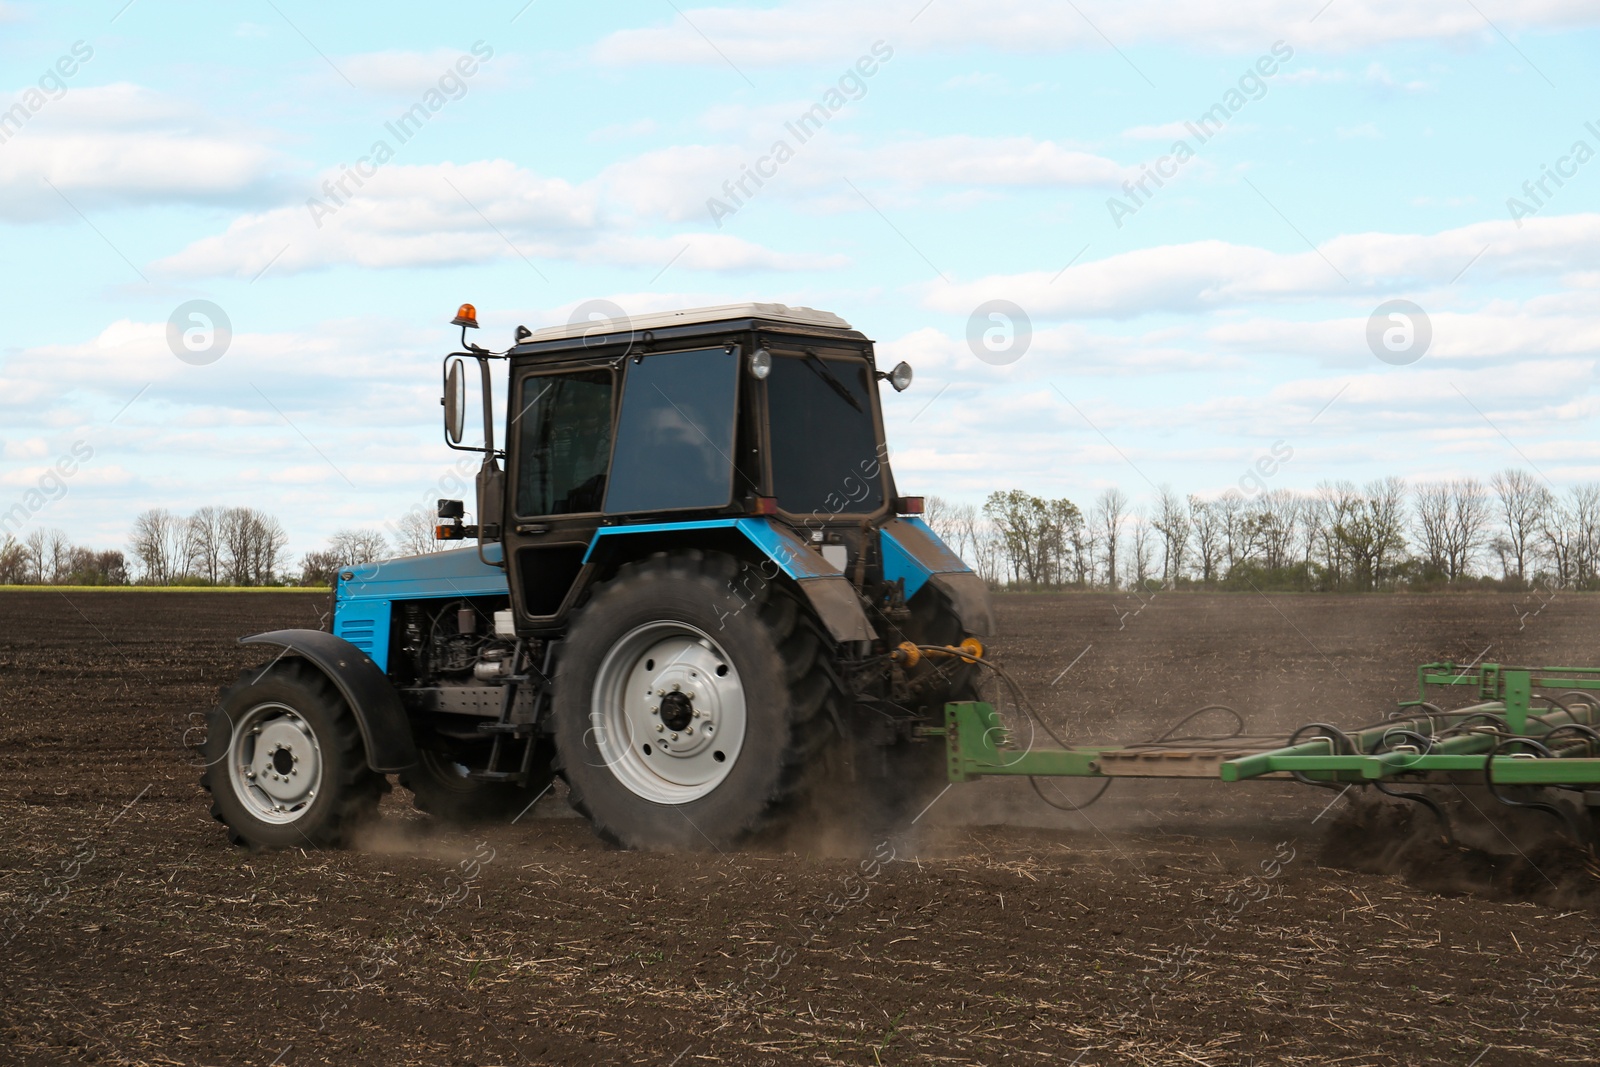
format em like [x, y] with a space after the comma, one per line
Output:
[564, 444]
[675, 432]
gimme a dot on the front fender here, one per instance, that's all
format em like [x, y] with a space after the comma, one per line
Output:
[384, 728]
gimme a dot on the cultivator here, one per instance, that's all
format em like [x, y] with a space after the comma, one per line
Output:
[1530, 729]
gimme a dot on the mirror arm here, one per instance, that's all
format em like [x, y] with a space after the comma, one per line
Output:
[488, 405]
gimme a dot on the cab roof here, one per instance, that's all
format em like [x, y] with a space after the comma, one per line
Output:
[721, 313]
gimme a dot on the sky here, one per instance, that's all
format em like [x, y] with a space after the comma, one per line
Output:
[1130, 244]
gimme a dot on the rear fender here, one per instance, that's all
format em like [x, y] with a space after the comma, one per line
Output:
[825, 587]
[384, 729]
[915, 556]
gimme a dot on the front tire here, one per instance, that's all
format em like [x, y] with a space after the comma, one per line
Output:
[285, 765]
[691, 713]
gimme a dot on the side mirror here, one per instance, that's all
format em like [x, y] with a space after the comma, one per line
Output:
[455, 401]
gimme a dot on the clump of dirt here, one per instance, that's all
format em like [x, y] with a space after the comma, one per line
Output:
[1377, 835]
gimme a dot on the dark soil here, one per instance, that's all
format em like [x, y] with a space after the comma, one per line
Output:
[1173, 923]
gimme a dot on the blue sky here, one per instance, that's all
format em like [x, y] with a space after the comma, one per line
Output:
[969, 152]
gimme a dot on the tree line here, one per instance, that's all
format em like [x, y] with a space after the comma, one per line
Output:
[213, 546]
[1385, 534]
[1515, 530]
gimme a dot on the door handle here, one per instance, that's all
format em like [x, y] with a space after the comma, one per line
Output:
[532, 528]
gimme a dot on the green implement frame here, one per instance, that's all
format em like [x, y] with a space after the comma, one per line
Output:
[1502, 739]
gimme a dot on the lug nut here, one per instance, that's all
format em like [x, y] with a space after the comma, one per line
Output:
[674, 737]
[659, 728]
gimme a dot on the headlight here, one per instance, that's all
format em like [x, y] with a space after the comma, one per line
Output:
[900, 377]
[760, 364]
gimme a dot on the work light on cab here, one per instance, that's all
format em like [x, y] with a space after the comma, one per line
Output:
[760, 364]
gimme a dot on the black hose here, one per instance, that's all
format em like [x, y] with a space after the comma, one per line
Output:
[1331, 732]
[1239, 719]
[1069, 806]
[1426, 744]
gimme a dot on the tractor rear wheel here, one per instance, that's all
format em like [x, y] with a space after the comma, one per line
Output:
[440, 787]
[688, 715]
[285, 764]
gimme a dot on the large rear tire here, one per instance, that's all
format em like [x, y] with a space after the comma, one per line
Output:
[688, 715]
[285, 764]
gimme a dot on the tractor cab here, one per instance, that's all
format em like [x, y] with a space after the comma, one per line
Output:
[668, 430]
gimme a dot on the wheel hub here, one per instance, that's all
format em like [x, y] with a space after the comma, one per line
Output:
[275, 763]
[677, 711]
[669, 712]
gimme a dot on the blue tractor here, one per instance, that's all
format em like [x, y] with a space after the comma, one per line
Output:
[696, 594]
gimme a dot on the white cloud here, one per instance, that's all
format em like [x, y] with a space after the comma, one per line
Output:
[122, 144]
[408, 216]
[407, 73]
[821, 32]
[1214, 274]
[675, 183]
[993, 161]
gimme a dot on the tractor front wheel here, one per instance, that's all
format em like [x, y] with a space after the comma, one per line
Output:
[285, 765]
[691, 711]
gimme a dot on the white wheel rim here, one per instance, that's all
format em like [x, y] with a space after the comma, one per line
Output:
[275, 763]
[668, 715]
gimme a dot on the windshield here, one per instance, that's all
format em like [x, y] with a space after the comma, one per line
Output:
[825, 456]
[675, 433]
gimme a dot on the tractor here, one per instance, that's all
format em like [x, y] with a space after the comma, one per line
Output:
[690, 588]
[698, 597]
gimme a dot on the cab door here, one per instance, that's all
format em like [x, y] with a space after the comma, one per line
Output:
[558, 447]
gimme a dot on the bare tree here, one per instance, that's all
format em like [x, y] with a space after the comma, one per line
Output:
[252, 546]
[13, 562]
[319, 568]
[1467, 532]
[966, 525]
[1110, 509]
[1235, 535]
[936, 513]
[1206, 521]
[1172, 522]
[1272, 518]
[1432, 521]
[351, 547]
[1523, 502]
[268, 539]
[58, 550]
[206, 543]
[160, 542]
[1144, 551]
[1337, 504]
[1586, 510]
[1310, 524]
[35, 553]
[1386, 504]
[413, 535]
